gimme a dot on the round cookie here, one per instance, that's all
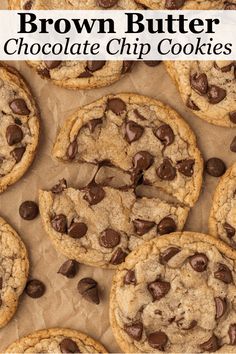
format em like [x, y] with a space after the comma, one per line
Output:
[56, 340]
[139, 135]
[14, 267]
[208, 88]
[19, 127]
[176, 294]
[188, 4]
[222, 220]
[99, 225]
[79, 74]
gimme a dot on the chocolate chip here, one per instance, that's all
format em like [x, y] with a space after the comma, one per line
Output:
[230, 6]
[157, 340]
[18, 106]
[212, 345]
[35, 288]
[109, 238]
[88, 288]
[216, 94]
[166, 226]
[221, 307]
[232, 334]
[190, 104]
[17, 121]
[152, 63]
[199, 262]
[224, 274]
[52, 64]
[44, 73]
[59, 223]
[93, 123]
[59, 187]
[166, 171]
[14, 134]
[118, 256]
[186, 167]
[142, 227]
[77, 230]
[18, 153]
[232, 115]
[192, 325]
[168, 254]
[72, 150]
[199, 83]
[158, 289]
[130, 277]
[165, 134]
[116, 105]
[134, 330]
[94, 194]
[69, 268]
[139, 115]
[215, 167]
[67, 345]
[225, 68]
[133, 131]
[127, 66]
[28, 210]
[1, 282]
[93, 65]
[142, 160]
[107, 3]
[85, 74]
[28, 5]
[233, 145]
[230, 230]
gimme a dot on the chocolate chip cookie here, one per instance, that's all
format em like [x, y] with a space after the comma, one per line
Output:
[56, 340]
[138, 135]
[14, 267]
[188, 4]
[208, 88]
[176, 294]
[79, 74]
[100, 225]
[19, 127]
[222, 221]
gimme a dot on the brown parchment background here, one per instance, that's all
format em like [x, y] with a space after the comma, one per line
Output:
[62, 306]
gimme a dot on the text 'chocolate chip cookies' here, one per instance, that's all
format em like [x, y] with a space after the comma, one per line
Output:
[19, 127]
[176, 294]
[146, 143]
[56, 340]
[222, 221]
[14, 267]
[189, 4]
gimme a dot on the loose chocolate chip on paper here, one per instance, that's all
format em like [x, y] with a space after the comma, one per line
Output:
[215, 167]
[59, 187]
[230, 230]
[52, 64]
[212, 345]
[18, 106]
[107, 3]
[166, 171]
[67, 345]
[14, 134]
[166, 226]
[186, 167]
[232, 334]
[93, 65]
[165, 134]
[158, 289]
[221, 307]
[168, 254]
[142, 227]
[77, 230]
[35, 288]
[18, 153]
[133, 131]
[59, 223]
[224, 274]
[158, 340]
[233, 145]
[28, 210]
[116, 105]
[118, 256]
[72, 150]
[88, 288]
[69, 268]
[199, 83]
[199, 262]
[134, 330]
[130, 277]
[109, 238]
[216, 94]
[94, 194]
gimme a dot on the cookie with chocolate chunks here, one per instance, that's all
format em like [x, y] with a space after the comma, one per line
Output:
[169, 289]
[19, 127]
[187, 4]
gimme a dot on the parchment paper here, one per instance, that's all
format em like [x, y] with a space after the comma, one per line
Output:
[62, 305]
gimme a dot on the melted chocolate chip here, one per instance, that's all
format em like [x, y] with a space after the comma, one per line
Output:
[221, 307]
[165, 134]
[116, 105]
[67, 345]
[59, 223]
[232, 115]
[133, 131]
[85, 74]
[88, 288]
[1, 282]
[72, 150]
[225, 68]
[44, 73]
[142, 227]
[14, 134]
[77, 230]
[18, 106]
[216, 94]
[192, 325]
[166, 226]
[224, 274]
[199, 262]
[186, 167]
[95, 65]
[215, 167]
[152, 63]
[230, 6]
[18, 153]
[134, 330]
[212, 345]
[168, 254]
[109, 238]
[230, 230]
[199, 83]
[127, 66]
[69, 268]
[28, 5]
[28, 210]
[118, 257]
[93, 123]
[158, 289]
[139, 115]
[166, 171]
[130, 277]
[59, 187]
[190, 104]
[106, 4]
[142, 160]
[35, 288]
[52, 64]
[158, 340]
[232, 334]
[94, 194]
[233, 145]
